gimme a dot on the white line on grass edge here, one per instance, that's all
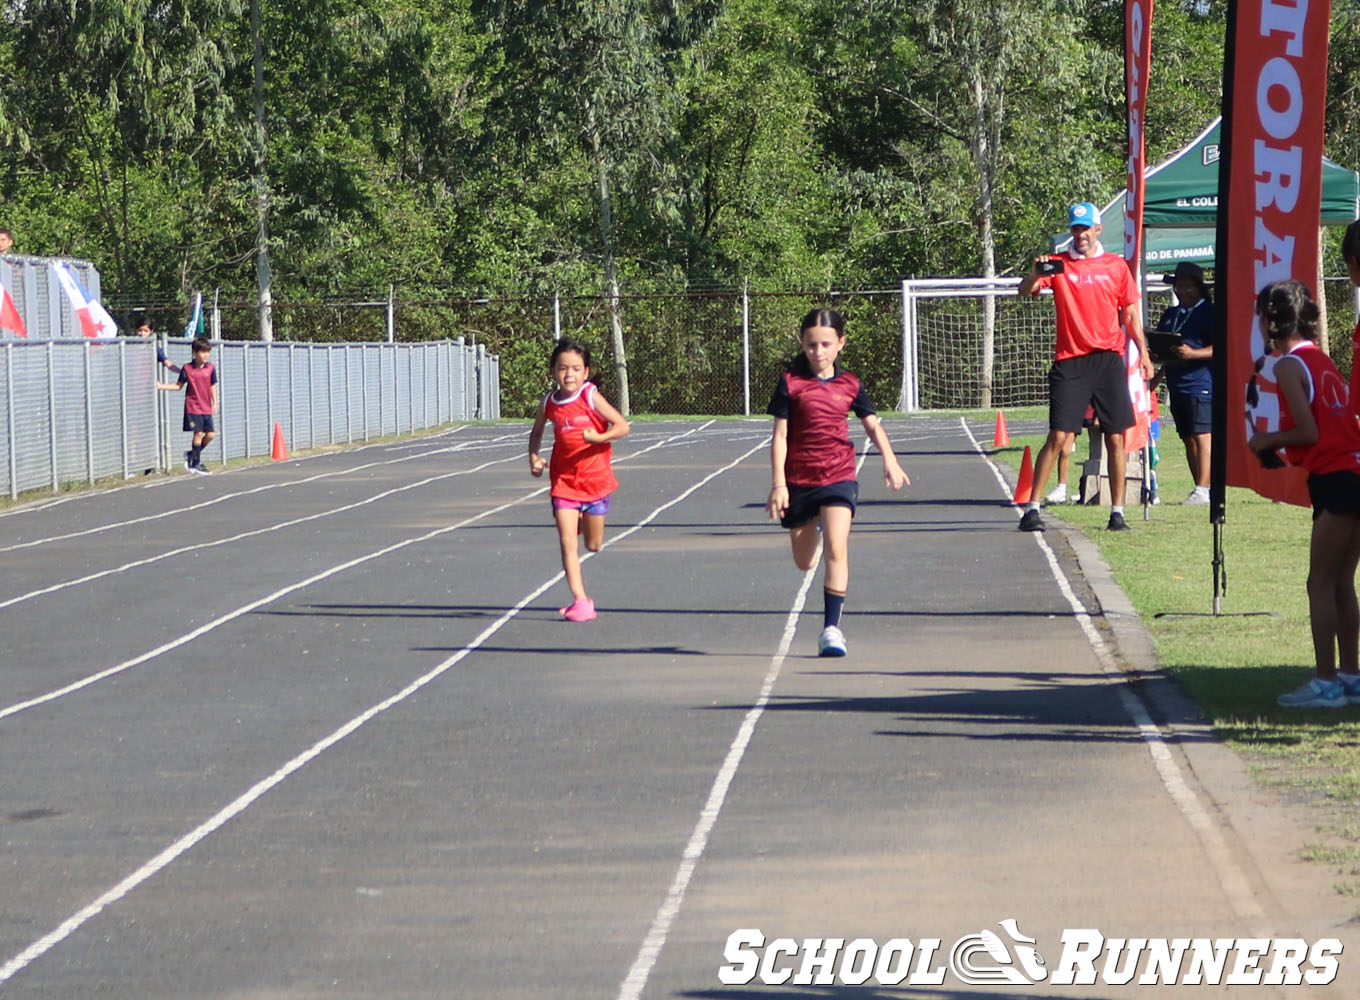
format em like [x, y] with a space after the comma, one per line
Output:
[1230, 876]
[210, 826]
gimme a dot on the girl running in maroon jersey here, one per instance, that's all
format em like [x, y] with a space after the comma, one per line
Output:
[584, 424]
[812, 461]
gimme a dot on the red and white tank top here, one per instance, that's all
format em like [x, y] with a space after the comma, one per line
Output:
[579, 471]
[1337, 448]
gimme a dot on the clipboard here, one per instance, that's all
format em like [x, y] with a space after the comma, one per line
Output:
[1162, 345]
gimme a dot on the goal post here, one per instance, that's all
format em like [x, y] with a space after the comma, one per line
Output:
[973, 343]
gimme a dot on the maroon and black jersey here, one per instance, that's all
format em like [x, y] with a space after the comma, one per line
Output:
[817, 410]
[200, 380]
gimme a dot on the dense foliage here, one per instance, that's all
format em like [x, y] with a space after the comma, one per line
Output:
[471, 146]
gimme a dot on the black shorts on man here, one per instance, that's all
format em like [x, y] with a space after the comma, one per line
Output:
[1099, 379]
[806, 502]
[199, 422]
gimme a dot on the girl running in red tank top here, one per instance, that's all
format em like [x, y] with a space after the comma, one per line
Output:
[584, 424]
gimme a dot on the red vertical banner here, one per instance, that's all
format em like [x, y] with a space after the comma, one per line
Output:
[1270, 194]
[1137, 60]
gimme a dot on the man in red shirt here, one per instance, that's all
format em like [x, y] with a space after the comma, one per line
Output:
[1099, 308]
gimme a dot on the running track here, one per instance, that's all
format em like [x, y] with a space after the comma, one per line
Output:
[314, 729]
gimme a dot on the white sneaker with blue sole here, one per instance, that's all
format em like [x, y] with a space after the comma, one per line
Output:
[831, 642]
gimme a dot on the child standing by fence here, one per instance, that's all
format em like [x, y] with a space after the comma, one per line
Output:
[199, 380]
[584, 424]
[812, 461]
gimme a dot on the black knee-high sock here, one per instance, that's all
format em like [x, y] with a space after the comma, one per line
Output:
[196, 453]
[831, 614]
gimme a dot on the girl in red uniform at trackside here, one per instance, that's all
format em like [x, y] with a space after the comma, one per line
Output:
[812, 461]
[584, 424]
[1318, 432]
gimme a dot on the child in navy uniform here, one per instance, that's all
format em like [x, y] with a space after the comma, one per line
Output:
[813, 462]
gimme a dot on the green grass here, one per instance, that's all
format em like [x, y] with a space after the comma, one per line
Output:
[1236, 664]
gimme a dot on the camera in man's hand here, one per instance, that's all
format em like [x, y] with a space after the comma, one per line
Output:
[1053, 265]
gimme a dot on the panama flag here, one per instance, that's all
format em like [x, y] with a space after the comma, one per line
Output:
[94, 319]
[10, 320]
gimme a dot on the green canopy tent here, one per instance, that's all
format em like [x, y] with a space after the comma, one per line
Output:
[1180, 214]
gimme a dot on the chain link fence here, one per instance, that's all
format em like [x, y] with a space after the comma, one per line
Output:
[77, 411]
[697, 353]
[719, 352]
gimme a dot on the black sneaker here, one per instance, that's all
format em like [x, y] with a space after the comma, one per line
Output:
[1031, 521]
[1116, 522]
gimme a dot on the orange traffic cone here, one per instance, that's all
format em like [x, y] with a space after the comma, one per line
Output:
[1024, 486]
[280, 452]
[1002, 436]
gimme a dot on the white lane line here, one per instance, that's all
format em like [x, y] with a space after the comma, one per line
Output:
[204, 830]
[1231, 878]
[655, 940]
[246, 609]
[171, 553]
[37, 506]
[176, 512]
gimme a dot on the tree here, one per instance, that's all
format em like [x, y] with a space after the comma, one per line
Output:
[603, 72]
[117, 98]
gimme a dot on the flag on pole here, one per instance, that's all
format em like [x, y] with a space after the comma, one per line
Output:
[10, 320]
[1137, 63]
[194, 328]
[93, 317]
[1270, 192]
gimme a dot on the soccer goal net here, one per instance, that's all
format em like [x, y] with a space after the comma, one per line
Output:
[970, 343]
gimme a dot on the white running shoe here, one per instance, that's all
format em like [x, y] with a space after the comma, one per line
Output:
[1057, 495]
[1199, 497]
[831, 642]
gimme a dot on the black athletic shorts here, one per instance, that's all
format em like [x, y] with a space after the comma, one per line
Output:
[1099, 379]
[806, 502]
[1193, 412]
[196, 422]
[1335, 492]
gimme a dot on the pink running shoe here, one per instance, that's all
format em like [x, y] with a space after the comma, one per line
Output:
[581, 610]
